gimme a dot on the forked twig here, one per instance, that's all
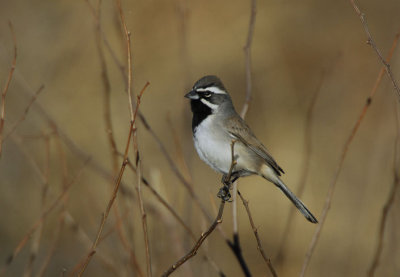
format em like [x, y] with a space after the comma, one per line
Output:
[371, 42]
[217, 221]
[259, 246]
[114, 194]
[336, 174]
[5, 89]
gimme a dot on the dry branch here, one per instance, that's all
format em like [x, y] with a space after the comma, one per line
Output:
[5, 89]
[217, 221]
[388, 204]
[114, 194]
[38, 223]
[371, 42]
[332, 185]
[22, 118]
[259, 246]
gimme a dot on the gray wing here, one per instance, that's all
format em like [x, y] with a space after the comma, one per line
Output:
[239, 130]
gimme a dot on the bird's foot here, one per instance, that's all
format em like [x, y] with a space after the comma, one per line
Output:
[224, 193]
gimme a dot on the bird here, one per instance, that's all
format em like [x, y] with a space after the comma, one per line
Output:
[215, 124]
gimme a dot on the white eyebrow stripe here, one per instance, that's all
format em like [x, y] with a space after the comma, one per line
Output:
[209, 104]
[215, 90]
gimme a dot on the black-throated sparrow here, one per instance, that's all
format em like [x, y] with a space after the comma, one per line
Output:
[216, 123]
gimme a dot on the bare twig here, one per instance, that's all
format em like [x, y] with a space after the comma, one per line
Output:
[217, 221]
[129, 54]
[388, 204]
[5, 89]
[371, 42]
[306, 165]
[247, 53]
[114, 194]
[139, 193]
[259, 246]
[235, 243]
[196, 247]
[336, 174]
[174, 167]
[43, 216]
[107, 93]
[22, 118]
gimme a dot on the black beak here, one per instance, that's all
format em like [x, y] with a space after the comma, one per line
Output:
[192, 95]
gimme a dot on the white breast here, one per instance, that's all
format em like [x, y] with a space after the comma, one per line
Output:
[213, 145]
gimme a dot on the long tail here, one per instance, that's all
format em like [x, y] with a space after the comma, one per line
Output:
[299, 205]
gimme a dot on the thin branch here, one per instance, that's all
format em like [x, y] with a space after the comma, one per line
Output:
[247, 52]
[129, 54]
[388, 204]
[172, 211]
[114, 194]
[22, 118]
[109, 129]
[196, 247]
[332, 185]
[305, 170]
[259, 246]
[5, 89]
[174, 168]
[43, 216]
[37, 236]
[217, 221]
[139, 193]
[107, 92]
[235, 243]
[371, 42]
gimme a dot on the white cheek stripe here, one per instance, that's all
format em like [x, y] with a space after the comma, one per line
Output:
[215, 90]
[210, 105]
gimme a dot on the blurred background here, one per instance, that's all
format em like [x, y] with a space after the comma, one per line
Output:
[303, 52]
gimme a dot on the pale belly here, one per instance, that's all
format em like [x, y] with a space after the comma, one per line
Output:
[214, 148]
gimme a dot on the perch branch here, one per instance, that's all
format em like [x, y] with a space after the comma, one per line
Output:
[259, 246]
[217, 221]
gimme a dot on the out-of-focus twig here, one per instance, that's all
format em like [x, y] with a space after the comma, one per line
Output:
[388, 204]
[306, 165]
[247, 53]
[114, 194]
[235, 243]
[38, 235]
[5, 89]
[259, 246]
[43, 216]
[371, 42]
[22, 118]
[332, 185]
[129, 56]
[139, 193]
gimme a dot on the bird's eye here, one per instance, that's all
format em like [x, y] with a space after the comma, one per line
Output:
[207, 94]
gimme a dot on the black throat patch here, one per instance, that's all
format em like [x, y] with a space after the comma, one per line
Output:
[200, 112]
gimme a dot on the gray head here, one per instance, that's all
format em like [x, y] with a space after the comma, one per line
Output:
[209, 91]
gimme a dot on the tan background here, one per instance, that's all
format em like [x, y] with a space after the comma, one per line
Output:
[297, 45]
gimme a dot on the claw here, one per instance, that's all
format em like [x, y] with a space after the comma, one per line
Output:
[224, 193]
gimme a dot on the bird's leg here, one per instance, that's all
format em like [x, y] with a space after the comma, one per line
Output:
[224, 193]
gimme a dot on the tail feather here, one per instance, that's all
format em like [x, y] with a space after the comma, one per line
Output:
[299, 205]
